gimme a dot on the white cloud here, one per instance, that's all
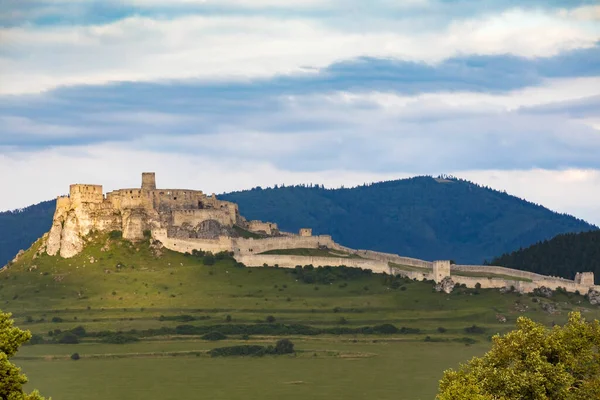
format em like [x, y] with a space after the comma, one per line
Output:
[199, 47]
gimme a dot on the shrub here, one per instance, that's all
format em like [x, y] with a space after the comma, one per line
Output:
[119, 338]
[115, 235]
[270, 319]
[36, 339]
[208, 259]
[57, 319]
[78, 331]
[284, 346]
[442, 329]
[67, 338]
[75, 356]
[228, 318]
[214, 336]
[475, 329]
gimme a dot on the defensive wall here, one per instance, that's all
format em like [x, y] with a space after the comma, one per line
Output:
[287, 261]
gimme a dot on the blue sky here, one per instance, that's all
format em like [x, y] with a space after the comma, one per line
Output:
[231, 94]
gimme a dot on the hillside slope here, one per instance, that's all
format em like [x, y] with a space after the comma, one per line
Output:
[419, 217]
[563, 255]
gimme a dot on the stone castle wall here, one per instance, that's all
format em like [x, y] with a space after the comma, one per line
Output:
[194, 217]
[258, 226]
[288, 261]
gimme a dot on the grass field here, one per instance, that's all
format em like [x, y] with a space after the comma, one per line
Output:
[131, 289]
[391, 370]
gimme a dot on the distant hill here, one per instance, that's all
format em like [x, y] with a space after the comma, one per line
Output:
[563, 256]
[419, 217]
[20, 228]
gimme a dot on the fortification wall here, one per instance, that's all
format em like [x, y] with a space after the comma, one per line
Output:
[259, 226]
[419, 276]
[85, 194]
[255, 246]
[488, 269]
[287, 261]
[386, 257]
[194, 217]
[188, 245]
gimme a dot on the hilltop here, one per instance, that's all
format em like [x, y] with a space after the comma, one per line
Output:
[419, 217]
[561, 256]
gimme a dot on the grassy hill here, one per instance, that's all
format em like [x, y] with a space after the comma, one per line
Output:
[418, 217]
[564, 255]
[355, 332]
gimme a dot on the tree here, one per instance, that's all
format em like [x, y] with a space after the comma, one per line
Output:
[11, 379]
[532, 363]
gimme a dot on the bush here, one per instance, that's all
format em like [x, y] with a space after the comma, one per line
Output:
[208, 259]
[119, 338]
[214, 336]
[284, 346]
[442, 329]
[67, 338]
[57, 319]
[241, 350]
[475, 329]
[75, 356]
[270, 319]
[115, 235]
[36, 339]
[78, 331]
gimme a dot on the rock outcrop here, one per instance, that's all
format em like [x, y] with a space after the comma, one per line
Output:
[593, 296]
[446, 285]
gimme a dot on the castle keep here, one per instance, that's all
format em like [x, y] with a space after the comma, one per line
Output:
[185, 220]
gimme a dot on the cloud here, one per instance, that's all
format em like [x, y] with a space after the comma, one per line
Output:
[200, 47]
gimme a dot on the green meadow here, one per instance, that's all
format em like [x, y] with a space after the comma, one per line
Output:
[356, 334]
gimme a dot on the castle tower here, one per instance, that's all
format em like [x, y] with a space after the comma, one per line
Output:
[584, 278]
[148, 181]
[441, 269]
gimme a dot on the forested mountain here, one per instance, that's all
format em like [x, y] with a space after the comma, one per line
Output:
[419, 217]
[20, 228]
[563, 255]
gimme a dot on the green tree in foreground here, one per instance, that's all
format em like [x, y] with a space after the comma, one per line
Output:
[532, 362]
[11, 379]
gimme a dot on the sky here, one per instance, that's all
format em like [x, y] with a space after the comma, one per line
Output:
[222, 95]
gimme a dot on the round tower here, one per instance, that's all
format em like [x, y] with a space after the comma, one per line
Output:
[148, 181]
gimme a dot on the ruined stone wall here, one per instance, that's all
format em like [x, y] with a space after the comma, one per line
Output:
[387, 257]
[129, 198]
[286, 261]
[258, 226]
[85, 194]
[255, 246]
[488, 269]
[194, 217]
[188, 245]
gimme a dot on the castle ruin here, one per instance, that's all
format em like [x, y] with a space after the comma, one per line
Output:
[185, 220]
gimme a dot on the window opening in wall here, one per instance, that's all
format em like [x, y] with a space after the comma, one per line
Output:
[174, 198]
